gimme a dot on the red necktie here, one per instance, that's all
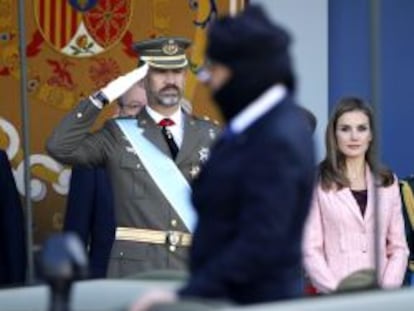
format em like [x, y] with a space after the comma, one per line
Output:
[164, 123]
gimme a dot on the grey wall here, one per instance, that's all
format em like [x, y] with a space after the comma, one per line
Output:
[307, 22]
[350, 63]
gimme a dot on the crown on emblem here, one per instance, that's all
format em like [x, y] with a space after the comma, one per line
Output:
[170, 47]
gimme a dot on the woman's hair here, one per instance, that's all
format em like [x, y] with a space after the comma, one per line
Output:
[332, 168]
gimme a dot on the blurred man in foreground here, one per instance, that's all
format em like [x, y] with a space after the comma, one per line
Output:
[253, 195]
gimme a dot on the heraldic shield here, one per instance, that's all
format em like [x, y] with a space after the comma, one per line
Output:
[82, 28]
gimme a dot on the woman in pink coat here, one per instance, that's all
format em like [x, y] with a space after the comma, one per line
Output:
[339, 234]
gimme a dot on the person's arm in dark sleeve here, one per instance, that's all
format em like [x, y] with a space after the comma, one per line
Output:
[80, 200]
[12, 225]
[103, 225]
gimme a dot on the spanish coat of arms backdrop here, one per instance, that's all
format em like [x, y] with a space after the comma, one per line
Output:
[73, 48]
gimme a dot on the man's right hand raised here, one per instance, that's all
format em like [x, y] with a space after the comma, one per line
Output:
[120, 85]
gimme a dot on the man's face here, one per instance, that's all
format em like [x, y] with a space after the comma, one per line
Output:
[165, 86]
[133, 101]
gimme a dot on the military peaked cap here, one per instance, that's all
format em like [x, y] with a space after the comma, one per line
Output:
[163, 52]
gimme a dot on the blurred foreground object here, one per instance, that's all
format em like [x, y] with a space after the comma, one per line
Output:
[359, 280]
[63, 260]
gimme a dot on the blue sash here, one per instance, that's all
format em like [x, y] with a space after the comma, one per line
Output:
[163, 171]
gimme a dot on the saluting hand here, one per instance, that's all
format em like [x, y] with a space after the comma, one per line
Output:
[120, 85]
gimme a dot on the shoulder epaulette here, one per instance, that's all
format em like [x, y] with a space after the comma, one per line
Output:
[206, 119]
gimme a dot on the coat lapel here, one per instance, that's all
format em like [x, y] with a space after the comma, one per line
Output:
[190, 139]
[152, 132]
[347, 198]
[369, 212]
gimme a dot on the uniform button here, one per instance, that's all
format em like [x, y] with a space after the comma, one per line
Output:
[138, 165]
[121, 254]
[174, 223]
[172, 248]
[79, 115]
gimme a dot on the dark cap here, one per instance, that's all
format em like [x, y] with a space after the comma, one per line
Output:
[250, 35]
[251, 42]
[163, 52]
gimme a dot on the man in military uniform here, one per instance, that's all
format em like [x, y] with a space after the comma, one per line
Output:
[153, 231]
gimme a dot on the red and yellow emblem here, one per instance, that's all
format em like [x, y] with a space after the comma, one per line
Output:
[82, 33]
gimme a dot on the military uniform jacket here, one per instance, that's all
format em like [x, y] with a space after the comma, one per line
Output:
[138, 201]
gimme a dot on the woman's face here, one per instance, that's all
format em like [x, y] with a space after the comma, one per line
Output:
[353, 134]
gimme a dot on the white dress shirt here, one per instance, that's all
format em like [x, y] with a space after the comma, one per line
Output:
[177, 130]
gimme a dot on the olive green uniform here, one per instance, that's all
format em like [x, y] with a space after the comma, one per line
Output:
[139, 203]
